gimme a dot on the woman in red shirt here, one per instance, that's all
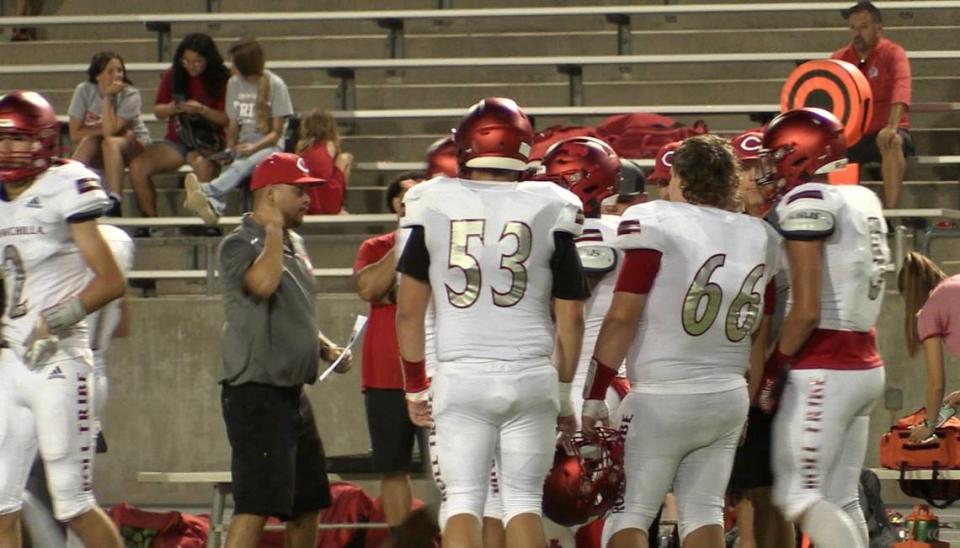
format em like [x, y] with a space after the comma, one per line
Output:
[931, 316]
[193, 90]
[319, 146]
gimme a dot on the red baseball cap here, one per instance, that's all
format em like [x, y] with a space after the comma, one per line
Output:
[664, 162]
[281, 168]
[747, 145]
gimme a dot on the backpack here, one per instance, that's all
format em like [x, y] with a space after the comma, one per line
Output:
[641, 135]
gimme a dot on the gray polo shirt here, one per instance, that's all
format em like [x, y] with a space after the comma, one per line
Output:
[271, 341]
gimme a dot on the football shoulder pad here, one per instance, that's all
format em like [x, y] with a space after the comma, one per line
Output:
[808, 212]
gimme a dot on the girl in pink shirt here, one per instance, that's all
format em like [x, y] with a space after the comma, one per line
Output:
[931, 300]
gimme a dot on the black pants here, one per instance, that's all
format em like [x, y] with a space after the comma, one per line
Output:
[277, 465]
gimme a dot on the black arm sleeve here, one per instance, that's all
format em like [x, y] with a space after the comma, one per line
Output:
[415, 260]
[569, 281]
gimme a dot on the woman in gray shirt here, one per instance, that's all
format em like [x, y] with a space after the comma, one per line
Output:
[257, 105]
[105, 124]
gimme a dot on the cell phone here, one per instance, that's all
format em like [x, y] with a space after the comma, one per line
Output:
[179, 98]
[223, 155]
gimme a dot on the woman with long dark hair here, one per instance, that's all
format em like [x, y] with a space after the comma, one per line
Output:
[931, 307]
[105, 124]
[191, 93]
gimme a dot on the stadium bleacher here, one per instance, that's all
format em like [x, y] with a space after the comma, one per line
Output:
[719, 62]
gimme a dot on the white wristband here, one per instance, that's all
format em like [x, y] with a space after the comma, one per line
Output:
[566, 405]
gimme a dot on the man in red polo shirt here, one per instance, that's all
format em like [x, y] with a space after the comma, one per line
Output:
[886, 67]
[391, 432]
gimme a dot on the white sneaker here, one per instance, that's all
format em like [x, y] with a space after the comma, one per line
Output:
[196, 201]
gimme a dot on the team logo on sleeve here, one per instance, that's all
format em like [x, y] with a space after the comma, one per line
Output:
[627, 227]
[88, 184]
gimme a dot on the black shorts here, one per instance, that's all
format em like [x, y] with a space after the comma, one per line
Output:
[391, 432]
[752, 464]
[277, 461]
[867, 152]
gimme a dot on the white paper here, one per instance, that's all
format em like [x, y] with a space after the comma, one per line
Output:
[358, 325]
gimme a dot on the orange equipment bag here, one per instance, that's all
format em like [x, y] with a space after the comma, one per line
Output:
[943, 453]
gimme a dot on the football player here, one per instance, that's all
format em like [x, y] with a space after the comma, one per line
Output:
[442, 158]
[113, 320]
[494, 254]
[686, 303]
[836, 248]
[49, 237]
[751, 480]
[661, 173]
[589, 168]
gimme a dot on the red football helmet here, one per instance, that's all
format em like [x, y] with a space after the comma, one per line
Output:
[664, 162]
[587, 478]
[442, 158]
[494, 134]
[27, 114]
[586, 166]
[797, 145]
[748, 145]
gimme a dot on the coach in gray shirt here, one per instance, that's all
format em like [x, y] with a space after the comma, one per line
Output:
[271, 348]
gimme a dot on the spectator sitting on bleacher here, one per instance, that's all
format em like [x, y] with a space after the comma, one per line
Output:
[887, 141]
[105, 124]
[257, 104]
[319, 146]
[191, 93]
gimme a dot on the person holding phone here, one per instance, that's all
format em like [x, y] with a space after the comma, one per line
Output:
[192, 91]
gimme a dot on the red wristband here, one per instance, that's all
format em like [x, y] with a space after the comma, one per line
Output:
[599, 377]
[415, 376]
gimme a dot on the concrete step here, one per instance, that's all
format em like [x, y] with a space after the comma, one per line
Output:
[186, 253]
[500, 42]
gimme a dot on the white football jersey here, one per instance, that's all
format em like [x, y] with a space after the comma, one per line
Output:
[490, 246]
[42, 265]
[850, 220]
[706, 299]
[104, 322]
[598, 253]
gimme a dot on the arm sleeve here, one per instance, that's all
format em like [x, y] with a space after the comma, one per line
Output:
[78, 103]
[569, 281]
[902, 86]
[415, 260]
[933, 319]
[165, 89]
[640, 268]
[130, 104]
[230, 99]
[806, 214]
[83, 197]
[371, 251]
[280, 99]
[639, 229]
[236, 256]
